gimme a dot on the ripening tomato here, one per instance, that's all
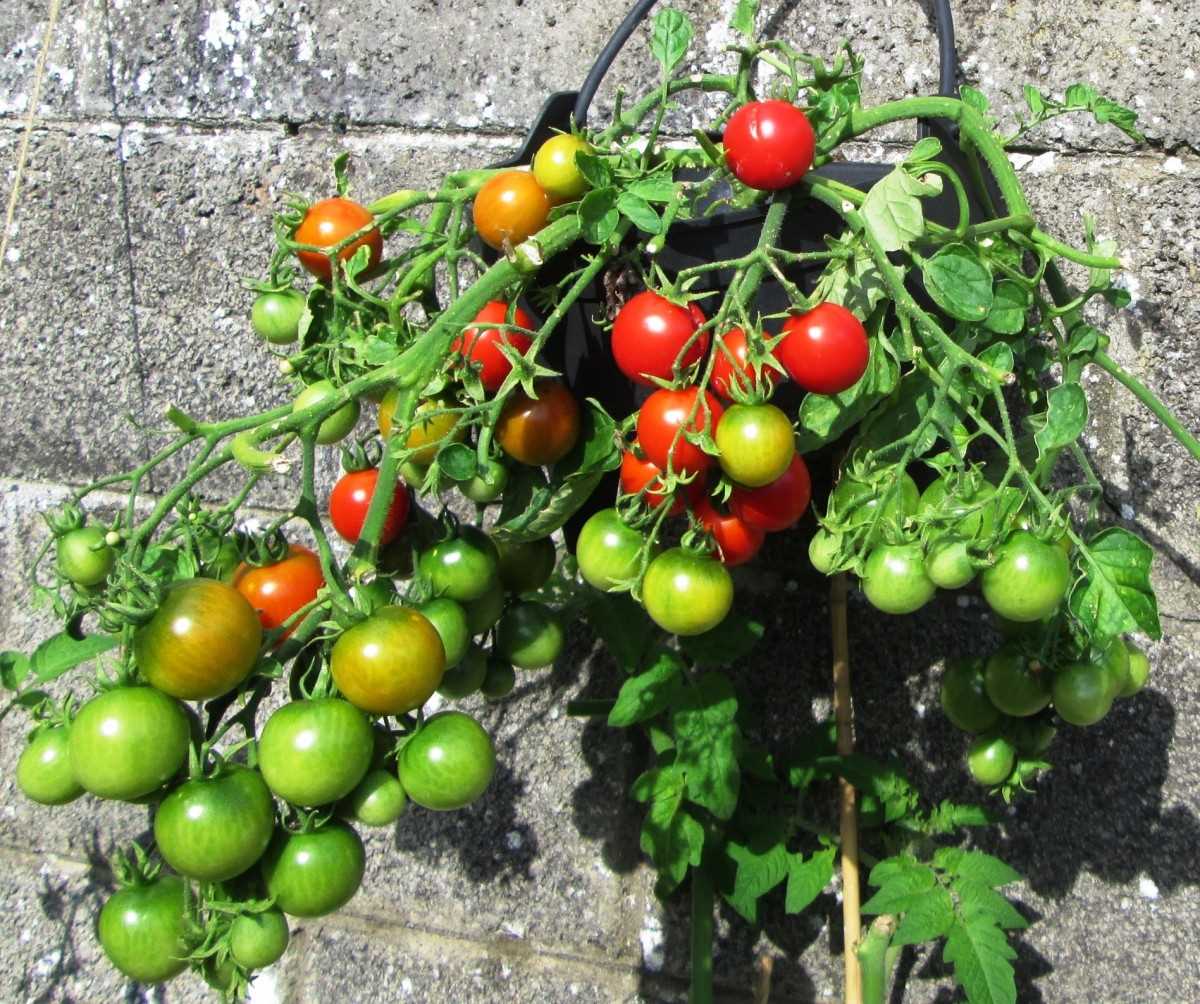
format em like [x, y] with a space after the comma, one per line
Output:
[824, 350]
[686, 593]
[338, 425]
[738, 373]
[756, 443]
[769, 144]
[350, 499]
[509, 207]
[555, 167]
[607, 550]
[434, 425]
[329, 222]
[737, 541]
[649, 336]
[277, 591]
[480, 347]
[539, 430]
[390, 663]
[777, 505]
[638, 473]
[664, 417]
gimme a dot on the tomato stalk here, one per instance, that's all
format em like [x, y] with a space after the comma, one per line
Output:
[873, 958]
[700, 990]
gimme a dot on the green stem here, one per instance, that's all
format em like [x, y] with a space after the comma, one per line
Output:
[1147, 397]
[873, 957]
[1074, 254]
[701, 990]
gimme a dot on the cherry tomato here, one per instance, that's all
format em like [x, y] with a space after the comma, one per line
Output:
[314, 752]
[638, 473]
[964, 696]
[276, 315]
[277, 591]
[449, 620]
[436, 427]
[499, 681]
[488, 484]
[823, 550]
[756, 443]
[483, 612]
[83, 557]
[481, 346]
[350, 499]
[973, 522]
[737, 542]
[555, 168]
[212, 829]
[379, 799]
[649, 335]
[541, 430]
[607, 550]
[1014, 685]
[510, 207]
[312, 874]
[686, 593]
[462, 568]
[663, 415]
[1082, 693]
[991, 759]
[201, 643]
[448, 762]
[44, 769]
[856, 503]
[769, 144]
[529, 635]
[739, 373]
[142, 930]
[257, 940]
[338, 425]
[467, 677]
[126, 742]
[526, 565]
[329, 222]
[777, 505]
[1028, 579]
[1116, 663]
[948, 563]
[390, 663]
[894, 579]
[825, 350]
[1139, 670]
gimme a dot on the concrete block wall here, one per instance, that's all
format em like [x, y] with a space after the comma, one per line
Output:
[165, 136]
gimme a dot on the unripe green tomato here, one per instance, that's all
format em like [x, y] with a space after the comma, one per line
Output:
[530, 635]
[499, 681]
[338, 425]
[607, 550]
[142, 930]
[1116, 666]
[991, 759]
[1082, 693]
[948, 564]
[449, 619]
[1031, 736]
[463, 568]
[964, 696]
[448, 762]
[44, 769]
[257, 940]
[686, 593]
[894, 579]
[1139, 670]
[555, 169]
[1028, 579]
[275, 316]
[823, 550]
[1014, 686]
[378, 800]
[487, 485]
[466, 678]
[525, 566]
[483, 613]
[84, 557]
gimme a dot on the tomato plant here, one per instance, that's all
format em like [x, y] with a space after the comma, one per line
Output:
[44, 768]
[607, 550]
[652, 337]
[539, 430]
[737, 542]
[330, 222]
[462, 568]
[733, 369]
[529, 635]
[666, 423]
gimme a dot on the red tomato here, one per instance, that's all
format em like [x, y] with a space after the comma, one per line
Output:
[723, 371]
[738, 541]
[326, 223]
[540, 430]
[824, 351]
[769, 144]
[650, 333]
[778, 505]
[481, 346]
[636, 473]
[350, 498]
[277, 591]
[510, 207]
[664, 413]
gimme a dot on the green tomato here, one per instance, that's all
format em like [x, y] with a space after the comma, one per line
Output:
[894, 579]
[530, 635]
[966, 523]
[823, 550]
[483, 613]
[964, 696]
[1028, 579]
[991, 759]
[312, 874]
[856, 504]
[1014, 686]
[141, 929]
[1082, 693]
[1031, 736]
[257, 940]
[44, 769]
[1139, 670]
[83, 557]
[499, 681]
[275, 316]
[314, 752]
[607, 551]
[948, 563]
[467, 677]
[379, 799]
[462, 568]
[488, 484]
[687, 593]
[448, 762]
[556, 170]
[449, 619]
[1116, 665]
[756, 443]
[525, 566]
[338, 425]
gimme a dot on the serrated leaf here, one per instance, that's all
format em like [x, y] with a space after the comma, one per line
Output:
[1079, 96]
[62, 653]
[950, 816]
[598, 215]
[1010, 301]
[706, 737]
[595, 170]
[807, 877]
[670, 836]
[976, 865]
[981, 954]
[902, 891]
[893, 210]
[742, 19]
[883, 780]
[1115, 595]
[978, 901]
[927, 919]
[639, 212]
[959, 282]
[733, 639]
[758, 872]
[649, 693]
[670, 36]
[623, 627]
[889, 868]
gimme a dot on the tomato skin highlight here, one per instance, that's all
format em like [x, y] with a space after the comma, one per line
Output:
[778, 505]
[390, 663]
[128, 741]
[313, 752]
[607, 550]
[448, 763]
[141, 929]
[663, 414]
[202, 641]
[1028, 579]
[326, 223]
[737, 541]
[44, 769]
[728, 375]
[312, 874]
[510, 207]
[756, 444]
[277, 591]
[480, 346]
[213, 829]
[542, 430]
[686, 593]
[769, 145]
[649, 334]
[350, 500]
[825, 350]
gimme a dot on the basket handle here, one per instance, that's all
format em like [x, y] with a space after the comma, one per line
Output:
[943, 26]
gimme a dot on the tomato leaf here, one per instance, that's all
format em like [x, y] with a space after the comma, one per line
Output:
[742, 18]
[959, 283]
[61, 653]
[623, 627]
[655, 188]
[14, 667]
[1010, 301]
[670, 836]
[1115, 595]
[807, 877]
[733, 639]
[649, 693]
[976, 865]
[639, 212]
[670, 36]
[758, 872]
[458, 461]
[706, 737]
[594, 169]
[950, 816]
[981, 954]
[928, 918]
[825, 417]
[598, 215]
[976, 899]
[901, 891]
[1066, 417]
[892, 209]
